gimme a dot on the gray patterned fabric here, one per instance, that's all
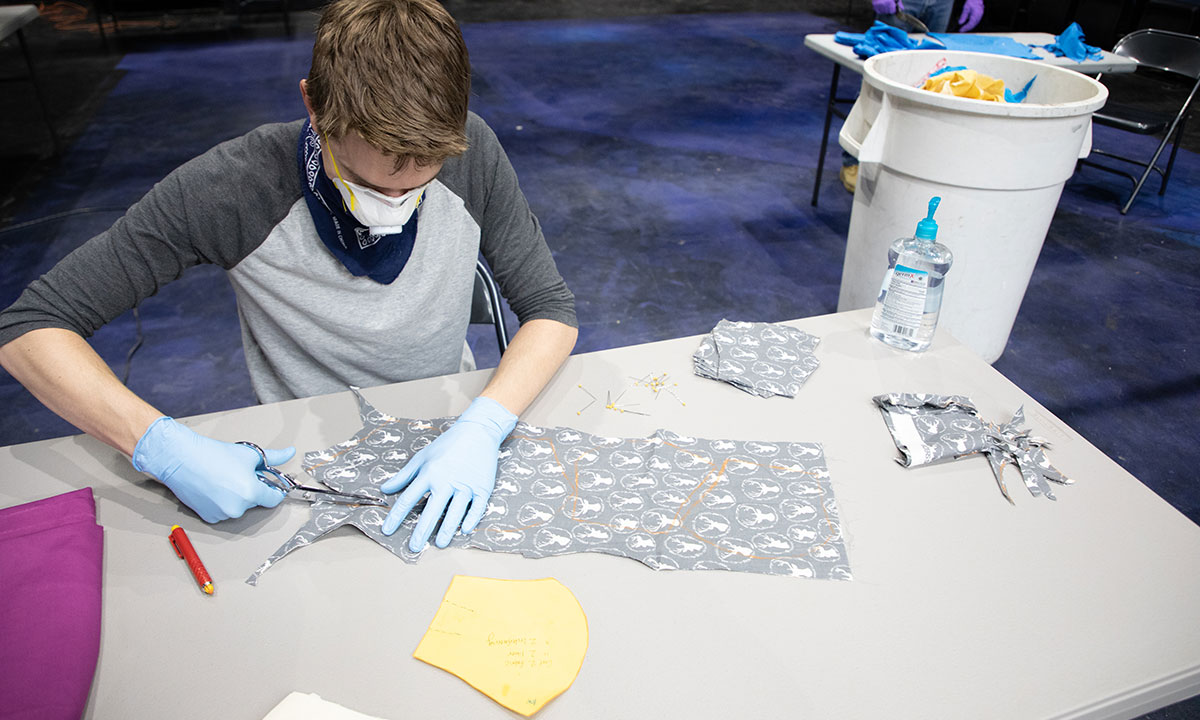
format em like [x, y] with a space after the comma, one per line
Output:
[667, 501]
[760, 358]
[930, 429]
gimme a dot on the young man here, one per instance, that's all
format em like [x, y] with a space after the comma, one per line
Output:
[350, 240]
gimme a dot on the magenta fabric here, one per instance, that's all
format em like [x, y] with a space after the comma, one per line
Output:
[51, 558]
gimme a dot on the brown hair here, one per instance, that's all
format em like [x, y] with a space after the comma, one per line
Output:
[394, 72]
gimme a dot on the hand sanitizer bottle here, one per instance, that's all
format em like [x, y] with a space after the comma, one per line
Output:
[910, 299]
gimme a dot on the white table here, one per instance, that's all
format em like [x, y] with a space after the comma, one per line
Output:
[843, 56]
[13, 19]
[961, 605]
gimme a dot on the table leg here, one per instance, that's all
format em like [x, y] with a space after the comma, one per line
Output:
[100, 26]
[833, 84]
[37, 90]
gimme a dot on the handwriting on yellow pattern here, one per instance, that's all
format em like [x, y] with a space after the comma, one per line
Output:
[520, 642]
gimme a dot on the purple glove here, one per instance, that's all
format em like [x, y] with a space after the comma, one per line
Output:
[888, 7]
[971, 15]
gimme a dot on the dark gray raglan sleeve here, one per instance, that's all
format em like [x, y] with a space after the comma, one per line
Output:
[214, 209]
[510, 236]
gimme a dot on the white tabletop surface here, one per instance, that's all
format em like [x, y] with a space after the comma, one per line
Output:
[843, 55]
[961, 606]
[15, 17]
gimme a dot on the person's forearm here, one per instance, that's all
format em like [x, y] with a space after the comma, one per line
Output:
[532, 358]
[67, 376]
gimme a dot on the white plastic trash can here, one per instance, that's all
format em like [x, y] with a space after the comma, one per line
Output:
[998, 167]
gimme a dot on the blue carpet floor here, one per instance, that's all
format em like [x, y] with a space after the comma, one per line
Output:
[671, 161]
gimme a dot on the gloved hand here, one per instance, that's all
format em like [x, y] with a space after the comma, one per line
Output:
[887, 7]
[456, 469]
[971, 15]
[214, 478]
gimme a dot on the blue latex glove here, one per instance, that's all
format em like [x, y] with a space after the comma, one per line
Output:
[1019, 96]
[971, 15]
[1070, 44]
[881, 38]
[887, 7]
[457, 469]
[214, 478]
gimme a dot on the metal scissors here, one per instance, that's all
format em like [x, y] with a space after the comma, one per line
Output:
[286, 484]
[912, 20]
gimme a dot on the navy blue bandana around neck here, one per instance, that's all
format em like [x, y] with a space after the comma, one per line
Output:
[379, 257]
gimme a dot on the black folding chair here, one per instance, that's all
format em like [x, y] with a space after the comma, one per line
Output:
[485, 304]
[1168, 65]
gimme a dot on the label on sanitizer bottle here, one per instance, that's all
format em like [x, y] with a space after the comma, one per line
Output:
[904, 305]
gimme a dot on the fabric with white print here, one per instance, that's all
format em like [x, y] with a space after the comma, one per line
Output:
[763, 359]
[668, 501]
[931, 429]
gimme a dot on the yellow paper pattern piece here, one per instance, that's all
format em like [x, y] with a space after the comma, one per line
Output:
[968, 84]
[520, 642]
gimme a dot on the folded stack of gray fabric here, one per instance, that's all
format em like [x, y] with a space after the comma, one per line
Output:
[763, 359]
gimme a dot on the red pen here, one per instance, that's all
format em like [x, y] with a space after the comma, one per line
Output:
[183, 548]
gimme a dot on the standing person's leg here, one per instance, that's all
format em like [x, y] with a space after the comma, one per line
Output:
[849, 172]
[936, 16]
[934, 13]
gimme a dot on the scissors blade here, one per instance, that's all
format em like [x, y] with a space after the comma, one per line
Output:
[912, 21]
[287, 485]
[313, 494]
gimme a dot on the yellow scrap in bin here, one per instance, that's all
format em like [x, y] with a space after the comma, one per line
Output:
[520, 642]
[968, 84]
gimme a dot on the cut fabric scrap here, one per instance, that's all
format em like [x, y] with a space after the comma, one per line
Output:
[51, 556]
[763, 359]
[960, 81]
[930, 429]
[310, 706]
[1069, 44]
[966, 84]
[990, 44]
[881, 38]
[1018, 445]
[668, 501]
[520, 642]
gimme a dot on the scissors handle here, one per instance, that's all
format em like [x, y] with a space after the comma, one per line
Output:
[272, 476]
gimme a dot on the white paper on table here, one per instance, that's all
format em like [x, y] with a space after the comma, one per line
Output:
[309, 706]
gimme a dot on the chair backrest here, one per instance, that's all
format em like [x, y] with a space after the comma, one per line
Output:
[1162, 50]
[485, 304]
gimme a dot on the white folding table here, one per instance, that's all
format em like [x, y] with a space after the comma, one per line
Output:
[961, 606]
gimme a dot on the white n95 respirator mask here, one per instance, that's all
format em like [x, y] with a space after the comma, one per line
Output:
[383, 214]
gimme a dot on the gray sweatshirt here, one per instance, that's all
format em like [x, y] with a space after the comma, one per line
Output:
[308, 325]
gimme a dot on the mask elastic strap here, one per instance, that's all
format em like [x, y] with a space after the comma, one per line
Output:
[339, 175]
